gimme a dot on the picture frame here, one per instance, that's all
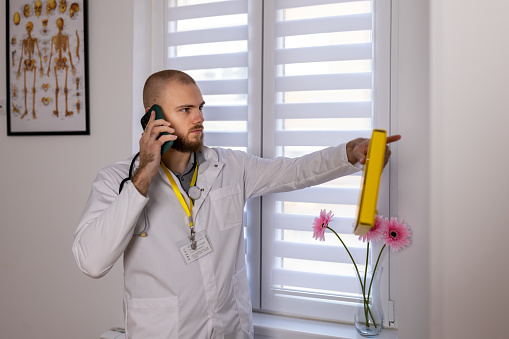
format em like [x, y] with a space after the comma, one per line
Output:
[47, 67]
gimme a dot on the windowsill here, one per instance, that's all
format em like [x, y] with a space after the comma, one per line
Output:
[267, 326]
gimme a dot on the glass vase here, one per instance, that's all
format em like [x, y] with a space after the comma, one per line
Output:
[368, 317]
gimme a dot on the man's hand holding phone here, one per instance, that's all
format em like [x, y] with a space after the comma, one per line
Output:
[151, 142]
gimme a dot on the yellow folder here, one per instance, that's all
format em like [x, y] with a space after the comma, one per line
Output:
[366, 210]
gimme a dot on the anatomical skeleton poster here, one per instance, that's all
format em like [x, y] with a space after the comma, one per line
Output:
[47, 65]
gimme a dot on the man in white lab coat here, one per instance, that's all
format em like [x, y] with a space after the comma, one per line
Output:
[178, 221]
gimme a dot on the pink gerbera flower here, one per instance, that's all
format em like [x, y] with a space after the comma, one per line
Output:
[397, 236]
[320, 224]
[376, 232]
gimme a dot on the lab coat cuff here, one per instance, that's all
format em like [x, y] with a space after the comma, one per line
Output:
[135, 193]
[358, 166]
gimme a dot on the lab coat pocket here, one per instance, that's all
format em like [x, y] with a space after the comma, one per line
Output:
[243, 300]
[228, 206]
[152, 318]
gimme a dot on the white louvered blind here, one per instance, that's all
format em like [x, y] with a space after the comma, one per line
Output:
[319, 76]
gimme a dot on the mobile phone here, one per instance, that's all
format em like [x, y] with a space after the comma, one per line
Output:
[159, 115]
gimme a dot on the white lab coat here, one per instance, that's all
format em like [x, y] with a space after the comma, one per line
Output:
[208, 298]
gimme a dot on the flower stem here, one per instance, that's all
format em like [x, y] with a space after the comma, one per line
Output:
[350, 254]
[378, 259]
[374, 270]
[364, 301]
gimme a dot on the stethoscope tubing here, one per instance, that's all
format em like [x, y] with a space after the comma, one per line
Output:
[130, 173]
[143, 233]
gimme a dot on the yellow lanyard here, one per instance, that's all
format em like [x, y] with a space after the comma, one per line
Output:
[179, 194]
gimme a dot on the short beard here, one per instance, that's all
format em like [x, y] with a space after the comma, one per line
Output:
[184, 145]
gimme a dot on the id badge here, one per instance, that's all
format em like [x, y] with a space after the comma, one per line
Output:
[203, 248]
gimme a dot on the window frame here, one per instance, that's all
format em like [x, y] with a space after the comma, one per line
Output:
[381, 107]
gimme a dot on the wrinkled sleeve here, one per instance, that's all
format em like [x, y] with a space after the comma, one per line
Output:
[107, 224]
[281, 174]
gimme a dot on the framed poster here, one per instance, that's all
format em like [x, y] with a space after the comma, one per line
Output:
[47, 67]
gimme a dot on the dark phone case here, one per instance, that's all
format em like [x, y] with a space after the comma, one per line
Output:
[159, 115]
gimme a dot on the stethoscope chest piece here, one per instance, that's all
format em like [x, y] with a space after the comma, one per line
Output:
[194, 192]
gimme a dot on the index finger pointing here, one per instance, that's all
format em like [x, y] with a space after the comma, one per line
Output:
[393, 138]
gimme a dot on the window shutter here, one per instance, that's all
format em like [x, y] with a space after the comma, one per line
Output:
[318, 92]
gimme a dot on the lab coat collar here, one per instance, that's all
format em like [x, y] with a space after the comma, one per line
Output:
[207, 174]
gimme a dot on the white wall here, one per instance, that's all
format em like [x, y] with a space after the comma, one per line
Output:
[452, 279]
[44, 183]
[469, 183]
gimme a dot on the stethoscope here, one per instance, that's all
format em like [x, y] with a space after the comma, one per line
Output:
[130, 173]
[194, 192]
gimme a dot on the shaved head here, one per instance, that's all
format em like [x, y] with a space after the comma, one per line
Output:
[157, 82]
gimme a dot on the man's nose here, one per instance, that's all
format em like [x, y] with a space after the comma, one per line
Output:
[198, 116]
